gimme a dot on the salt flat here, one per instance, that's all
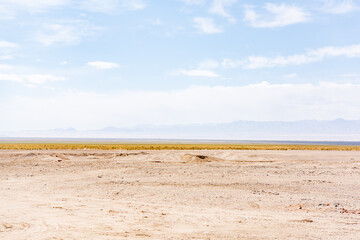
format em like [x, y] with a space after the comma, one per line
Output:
[207, 194]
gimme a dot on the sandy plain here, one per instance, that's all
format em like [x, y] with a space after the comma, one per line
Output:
[207, 194]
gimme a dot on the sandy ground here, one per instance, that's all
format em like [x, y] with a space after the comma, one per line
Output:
[91, 194]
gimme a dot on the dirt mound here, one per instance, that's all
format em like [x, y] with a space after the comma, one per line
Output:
[31, 155]
[90, 154]
[199, 158]
[59, 156]
[105, 154]
[130, 154]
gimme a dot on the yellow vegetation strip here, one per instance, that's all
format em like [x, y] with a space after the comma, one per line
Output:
[164, 146]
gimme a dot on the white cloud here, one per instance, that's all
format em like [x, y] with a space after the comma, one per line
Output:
[209, 64]
[202, 104]
[347, 51]
[103, 65]
[133, 4]
[37, 79]
[291, 75]
[199, 73]
[5, 67]
[218, 7]
[34, 5]
[6, 57]
[206, 25]
[65, 32]
[11, 77]
[231, 63]
[276, 16]
[193, 2]
[6, 44]
[104, 6]
[42, 78]
[350, 75]
[112, 6]
[6, 48]
[339, 6]
[204, 69]
[317, 55]
[11, 8]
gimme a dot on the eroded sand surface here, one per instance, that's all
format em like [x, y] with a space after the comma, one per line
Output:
[179, 195]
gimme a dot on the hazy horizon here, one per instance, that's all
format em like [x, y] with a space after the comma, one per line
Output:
[308, 130]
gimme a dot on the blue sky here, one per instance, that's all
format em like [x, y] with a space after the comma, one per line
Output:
[92, 64]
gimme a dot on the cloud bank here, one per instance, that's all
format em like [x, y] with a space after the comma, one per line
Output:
[201, 104]
[311, 56]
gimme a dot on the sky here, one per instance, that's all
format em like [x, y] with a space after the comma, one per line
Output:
[97, 63]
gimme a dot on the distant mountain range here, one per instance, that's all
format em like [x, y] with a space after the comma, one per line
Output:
[311, 130]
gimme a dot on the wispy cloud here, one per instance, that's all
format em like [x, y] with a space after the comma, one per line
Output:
[6, 48]
[204, 69]
[11, 8]
[199, 73]
[291, 75]
[275, 16]
[218, 7]
[5, 67]
[112, 6]
[317, 55]
[350, 75]
[339, 6]
[6, 57]
[208, 64]
[103, 65]
[157, 22]
[133, 4]
[37, 79]
[104, 6]
[231, 63]
[206, 25]
[64, 32]
[193, 2]
[6, 44]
